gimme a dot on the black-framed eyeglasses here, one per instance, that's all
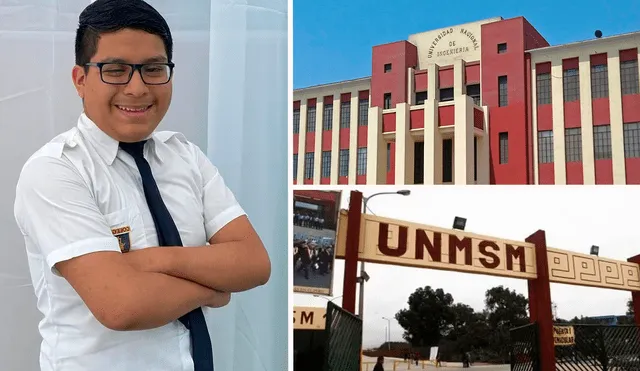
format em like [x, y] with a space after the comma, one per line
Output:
[121, 73]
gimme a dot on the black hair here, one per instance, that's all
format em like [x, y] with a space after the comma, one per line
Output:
[107, 16]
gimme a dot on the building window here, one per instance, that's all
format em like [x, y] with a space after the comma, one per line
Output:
[361, 165]
[504, 147]
[573, 144]
[629, 77]
[308, 165]
[599, 81]
[388, 157]
[447, 160]
[296, 121]
[327, 117]
[418, 163]
[571, 85]
[545, 146]
[543, 88]
[503, 91]
[363, 112]
[295, 166]
[326, 164]
[473, 91]
[387, 68]
[631, 140]
[311, 119]
[343, 163]
[387, 101]
[602, 142]
[446, 94]
[345, 115]
[502, 48]
[421, 96]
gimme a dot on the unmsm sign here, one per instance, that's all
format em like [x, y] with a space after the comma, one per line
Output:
[309, 318]
[390, 241]
[397, 242]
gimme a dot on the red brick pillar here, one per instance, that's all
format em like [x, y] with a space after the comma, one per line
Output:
[540, 303]
[351, 253]
[635, 295]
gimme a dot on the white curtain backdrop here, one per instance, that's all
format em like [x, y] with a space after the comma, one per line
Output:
[230, 98]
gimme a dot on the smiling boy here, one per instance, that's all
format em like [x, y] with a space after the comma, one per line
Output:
[131, 233]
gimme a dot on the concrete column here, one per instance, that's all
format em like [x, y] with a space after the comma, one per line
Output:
[432, 137]
[411, 86]
[484, 172]
[463, 140]
[559, 158]
[459, 87]
[317, 168]
[302, 142]
[377, 151]
[615, 113]
[404, 146]
[586, 121]
[335, 140]
[534, 121]
[353, 138]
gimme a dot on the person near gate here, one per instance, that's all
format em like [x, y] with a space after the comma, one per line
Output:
[379, 364]
[131, 233]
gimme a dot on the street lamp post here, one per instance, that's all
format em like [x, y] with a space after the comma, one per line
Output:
[389, 327]
[404, 192]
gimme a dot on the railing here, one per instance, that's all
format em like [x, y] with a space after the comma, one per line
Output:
[524, 348]
[344, 340]
[399, 365]
[602, 348]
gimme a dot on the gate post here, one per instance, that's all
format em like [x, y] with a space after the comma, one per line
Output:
[351, 253]
[540, 303]
[635, 295]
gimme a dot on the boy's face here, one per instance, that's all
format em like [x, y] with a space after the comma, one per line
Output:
[127, 113]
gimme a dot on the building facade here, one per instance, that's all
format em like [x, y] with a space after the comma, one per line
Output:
[489, 102]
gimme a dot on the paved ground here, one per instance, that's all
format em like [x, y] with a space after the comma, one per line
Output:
[402, 366]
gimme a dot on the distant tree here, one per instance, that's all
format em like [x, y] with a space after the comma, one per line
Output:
[428, 317]
[469, 329]
[629, 318]
[433, 319]
[506, 308]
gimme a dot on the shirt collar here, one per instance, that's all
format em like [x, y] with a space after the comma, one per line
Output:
[107, 147]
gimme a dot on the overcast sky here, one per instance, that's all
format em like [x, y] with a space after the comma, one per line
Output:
[574, 218]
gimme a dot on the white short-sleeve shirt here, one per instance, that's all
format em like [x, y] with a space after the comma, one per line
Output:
[72, 196]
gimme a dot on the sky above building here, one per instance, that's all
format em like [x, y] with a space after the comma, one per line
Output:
[574, 218]
[332, 40]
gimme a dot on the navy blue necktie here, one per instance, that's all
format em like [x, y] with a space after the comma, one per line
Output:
[168, 235]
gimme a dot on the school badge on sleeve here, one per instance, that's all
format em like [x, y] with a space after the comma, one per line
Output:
[122, 234]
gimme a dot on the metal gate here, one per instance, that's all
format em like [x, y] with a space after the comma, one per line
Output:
[524, 348]
[344, 340]
[600, 347]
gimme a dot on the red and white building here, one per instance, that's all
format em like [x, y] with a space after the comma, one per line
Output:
[489, 102]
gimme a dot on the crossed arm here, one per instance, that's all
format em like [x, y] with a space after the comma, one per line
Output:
[234, 261]
[151, 287]
[141, 289]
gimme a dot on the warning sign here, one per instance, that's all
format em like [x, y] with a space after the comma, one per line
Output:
[309, 318]
[563, 336]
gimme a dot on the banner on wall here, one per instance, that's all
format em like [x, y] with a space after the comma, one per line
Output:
[315, 225]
